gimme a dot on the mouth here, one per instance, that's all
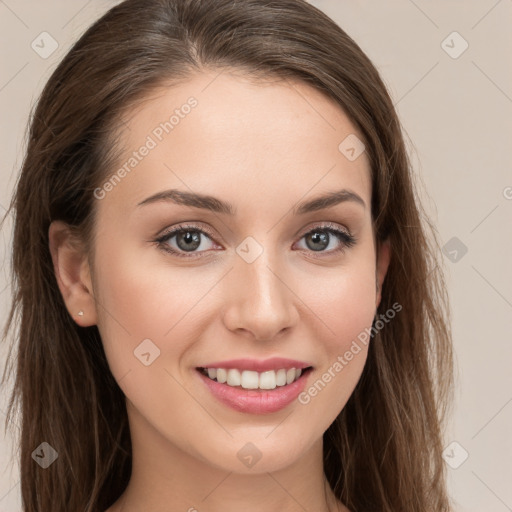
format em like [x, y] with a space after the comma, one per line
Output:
[253, 380]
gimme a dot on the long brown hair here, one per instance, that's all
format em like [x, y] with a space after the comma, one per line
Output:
[384, 451]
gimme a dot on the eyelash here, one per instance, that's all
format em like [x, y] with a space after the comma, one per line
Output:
[346, 238]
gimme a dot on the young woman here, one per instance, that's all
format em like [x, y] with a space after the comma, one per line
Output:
[225, 295]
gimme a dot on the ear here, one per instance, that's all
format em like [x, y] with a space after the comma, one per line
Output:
[73, 273]
[383, 259]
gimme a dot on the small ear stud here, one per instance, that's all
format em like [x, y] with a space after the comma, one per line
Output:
[80, 313]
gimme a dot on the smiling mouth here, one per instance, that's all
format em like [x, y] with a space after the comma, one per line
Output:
[248, 379]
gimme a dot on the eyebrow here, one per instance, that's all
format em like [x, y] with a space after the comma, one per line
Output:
[213, 204]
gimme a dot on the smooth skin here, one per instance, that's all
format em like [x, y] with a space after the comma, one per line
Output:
[264, 147]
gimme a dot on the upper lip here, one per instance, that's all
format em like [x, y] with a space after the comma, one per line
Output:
[274, 363]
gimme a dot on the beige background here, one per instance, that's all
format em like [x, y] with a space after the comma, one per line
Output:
[457, 115]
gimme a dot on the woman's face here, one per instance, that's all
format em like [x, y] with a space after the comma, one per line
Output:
[259, 286]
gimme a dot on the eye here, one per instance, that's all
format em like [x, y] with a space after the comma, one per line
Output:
[328, 238]
[188, 239]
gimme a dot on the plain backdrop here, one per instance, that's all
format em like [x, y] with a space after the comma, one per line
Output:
[447, 66]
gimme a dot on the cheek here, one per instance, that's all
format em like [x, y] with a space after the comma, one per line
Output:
[343, 302]
[344, 305]
[353, 311]
[138, 302]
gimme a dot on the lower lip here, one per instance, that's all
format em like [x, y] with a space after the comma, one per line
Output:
[256, 401]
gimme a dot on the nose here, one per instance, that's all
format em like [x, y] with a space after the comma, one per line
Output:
[260, 300]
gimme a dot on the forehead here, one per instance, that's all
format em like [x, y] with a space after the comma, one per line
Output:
[223, 132]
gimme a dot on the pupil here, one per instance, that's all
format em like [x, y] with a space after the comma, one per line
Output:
[319, 237]
[189, 237]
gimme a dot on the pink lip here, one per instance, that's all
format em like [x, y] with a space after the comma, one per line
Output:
[256, 401]
[274, 363]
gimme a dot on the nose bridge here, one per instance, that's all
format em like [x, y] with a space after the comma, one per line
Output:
[259, 299]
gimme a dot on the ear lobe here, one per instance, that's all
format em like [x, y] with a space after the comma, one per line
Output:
[72, 273]
[383, 259]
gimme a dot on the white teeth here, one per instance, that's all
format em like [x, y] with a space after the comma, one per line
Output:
[222, 375]
[253, 380]
[250, 380]
[234, 378]
[281, 377]
[268, 380]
